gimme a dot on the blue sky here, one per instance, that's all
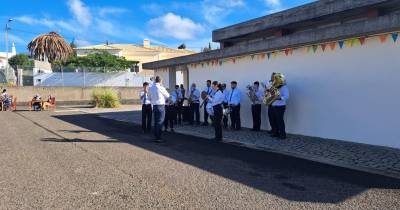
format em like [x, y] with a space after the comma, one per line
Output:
[130, 21]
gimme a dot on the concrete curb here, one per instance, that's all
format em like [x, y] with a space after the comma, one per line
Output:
[296, 155]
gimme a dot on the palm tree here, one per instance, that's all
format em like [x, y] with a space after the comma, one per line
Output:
[50, 46]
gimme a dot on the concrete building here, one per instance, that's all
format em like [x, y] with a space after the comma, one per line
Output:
[339, 58]
[141, 53]
[3, 56]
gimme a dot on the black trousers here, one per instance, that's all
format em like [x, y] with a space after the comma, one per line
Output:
[270, 117]
[278, 123]
[225, 118]
[205, 113]
[147, 113]
[194, 113]
[170, 116]
[256, 112]
[179, 111]
[235, 117]
[217, 121]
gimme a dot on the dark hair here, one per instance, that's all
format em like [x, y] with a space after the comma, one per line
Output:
[182, 85]
[158, 79]
[234, 82]
[219, 85]
[145, 84]
[4, 90]
[176, 86]
[257, 83]
[208, 81]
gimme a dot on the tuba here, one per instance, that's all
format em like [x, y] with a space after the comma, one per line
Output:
[272, 94]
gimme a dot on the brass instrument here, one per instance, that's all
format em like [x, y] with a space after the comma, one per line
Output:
[190, 100]
[252, 93]
[204, 97]
[272, 94]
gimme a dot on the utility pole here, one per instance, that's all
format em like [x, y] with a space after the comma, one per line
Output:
[7, 29]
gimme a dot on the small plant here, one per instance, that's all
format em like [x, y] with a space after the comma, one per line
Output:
[105, 98]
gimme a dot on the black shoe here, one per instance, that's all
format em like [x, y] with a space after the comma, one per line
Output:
[204, 124]
[274, 135]
[172, 130]
[255, 130]
[269, 132]
[159, 140]
[217, 139]
[282, 137]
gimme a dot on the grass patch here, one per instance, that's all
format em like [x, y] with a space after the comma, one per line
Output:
[105, 98]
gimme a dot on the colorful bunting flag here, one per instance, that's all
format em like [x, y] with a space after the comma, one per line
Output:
[274, 54]
[341, 44]
[323, 46]
[252, 57]
[332, 45]
[220, 63]
[383, 38]
[315, 48]
[269, 55]
[395, 36]
[349, 43]
[362, 40]
[234, 60]
[262, 56]
[287, 52]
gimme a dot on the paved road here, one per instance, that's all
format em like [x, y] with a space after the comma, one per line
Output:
[72, 160]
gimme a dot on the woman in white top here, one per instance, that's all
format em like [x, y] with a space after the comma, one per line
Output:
[217, 100]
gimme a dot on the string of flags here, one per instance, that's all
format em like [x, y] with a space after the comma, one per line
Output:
[341, 44]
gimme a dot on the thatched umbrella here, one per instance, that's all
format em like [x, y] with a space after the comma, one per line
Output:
[51, 46]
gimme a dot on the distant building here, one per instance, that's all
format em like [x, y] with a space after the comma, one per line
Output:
[141, 53]
[3, 56]
[339, 58]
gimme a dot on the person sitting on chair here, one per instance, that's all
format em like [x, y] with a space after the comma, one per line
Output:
[37, 102]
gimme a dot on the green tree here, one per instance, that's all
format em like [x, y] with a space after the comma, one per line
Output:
[100, 62]
[20, 60]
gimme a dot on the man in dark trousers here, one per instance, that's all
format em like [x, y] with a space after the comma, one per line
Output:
[208, 89]
[234, 98]
[158, 95]
[147, 110]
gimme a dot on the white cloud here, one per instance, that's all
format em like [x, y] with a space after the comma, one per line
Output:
[273, 3]
[214, 11]
[175, 26]
[273, 6]
[80, 11]
[111, 11]
[51, 24]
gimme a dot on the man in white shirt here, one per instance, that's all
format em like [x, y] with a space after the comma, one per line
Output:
[234, 102]
[256, 97]
[279, 107]
[158, 96]
[209, 90]
[194, 98]
[147, 110]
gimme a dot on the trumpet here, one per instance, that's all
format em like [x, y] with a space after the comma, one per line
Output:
[251, 93]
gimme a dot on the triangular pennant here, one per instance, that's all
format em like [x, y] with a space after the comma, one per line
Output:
[356, 42]
[383, 38]
[220, 63]
[349, 43]
[332, 45]
[341, 44]
[323, 46]
[234, 60]
[262, 56]
[315, 48]
[202, 64]
[308, 49]
[291, 51]
[252, 57]
[269, 55]
[362, 40]
[287, 52]
[395, 36]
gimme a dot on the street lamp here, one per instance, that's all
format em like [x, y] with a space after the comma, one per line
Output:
[7, 29]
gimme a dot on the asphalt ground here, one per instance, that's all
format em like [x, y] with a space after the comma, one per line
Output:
[71, 160]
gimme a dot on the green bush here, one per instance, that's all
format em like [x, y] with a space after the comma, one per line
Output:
[105, 98]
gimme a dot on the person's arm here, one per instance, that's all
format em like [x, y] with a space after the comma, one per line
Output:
[141, 94]
[284, 93]
[164, 92]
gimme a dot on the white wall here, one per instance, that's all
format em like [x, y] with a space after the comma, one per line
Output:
[164, 75]
[348, 94]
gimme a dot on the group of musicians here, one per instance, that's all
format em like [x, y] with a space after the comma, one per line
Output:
[218, 103]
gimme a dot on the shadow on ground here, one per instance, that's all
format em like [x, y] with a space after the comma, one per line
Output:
[286, 177]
